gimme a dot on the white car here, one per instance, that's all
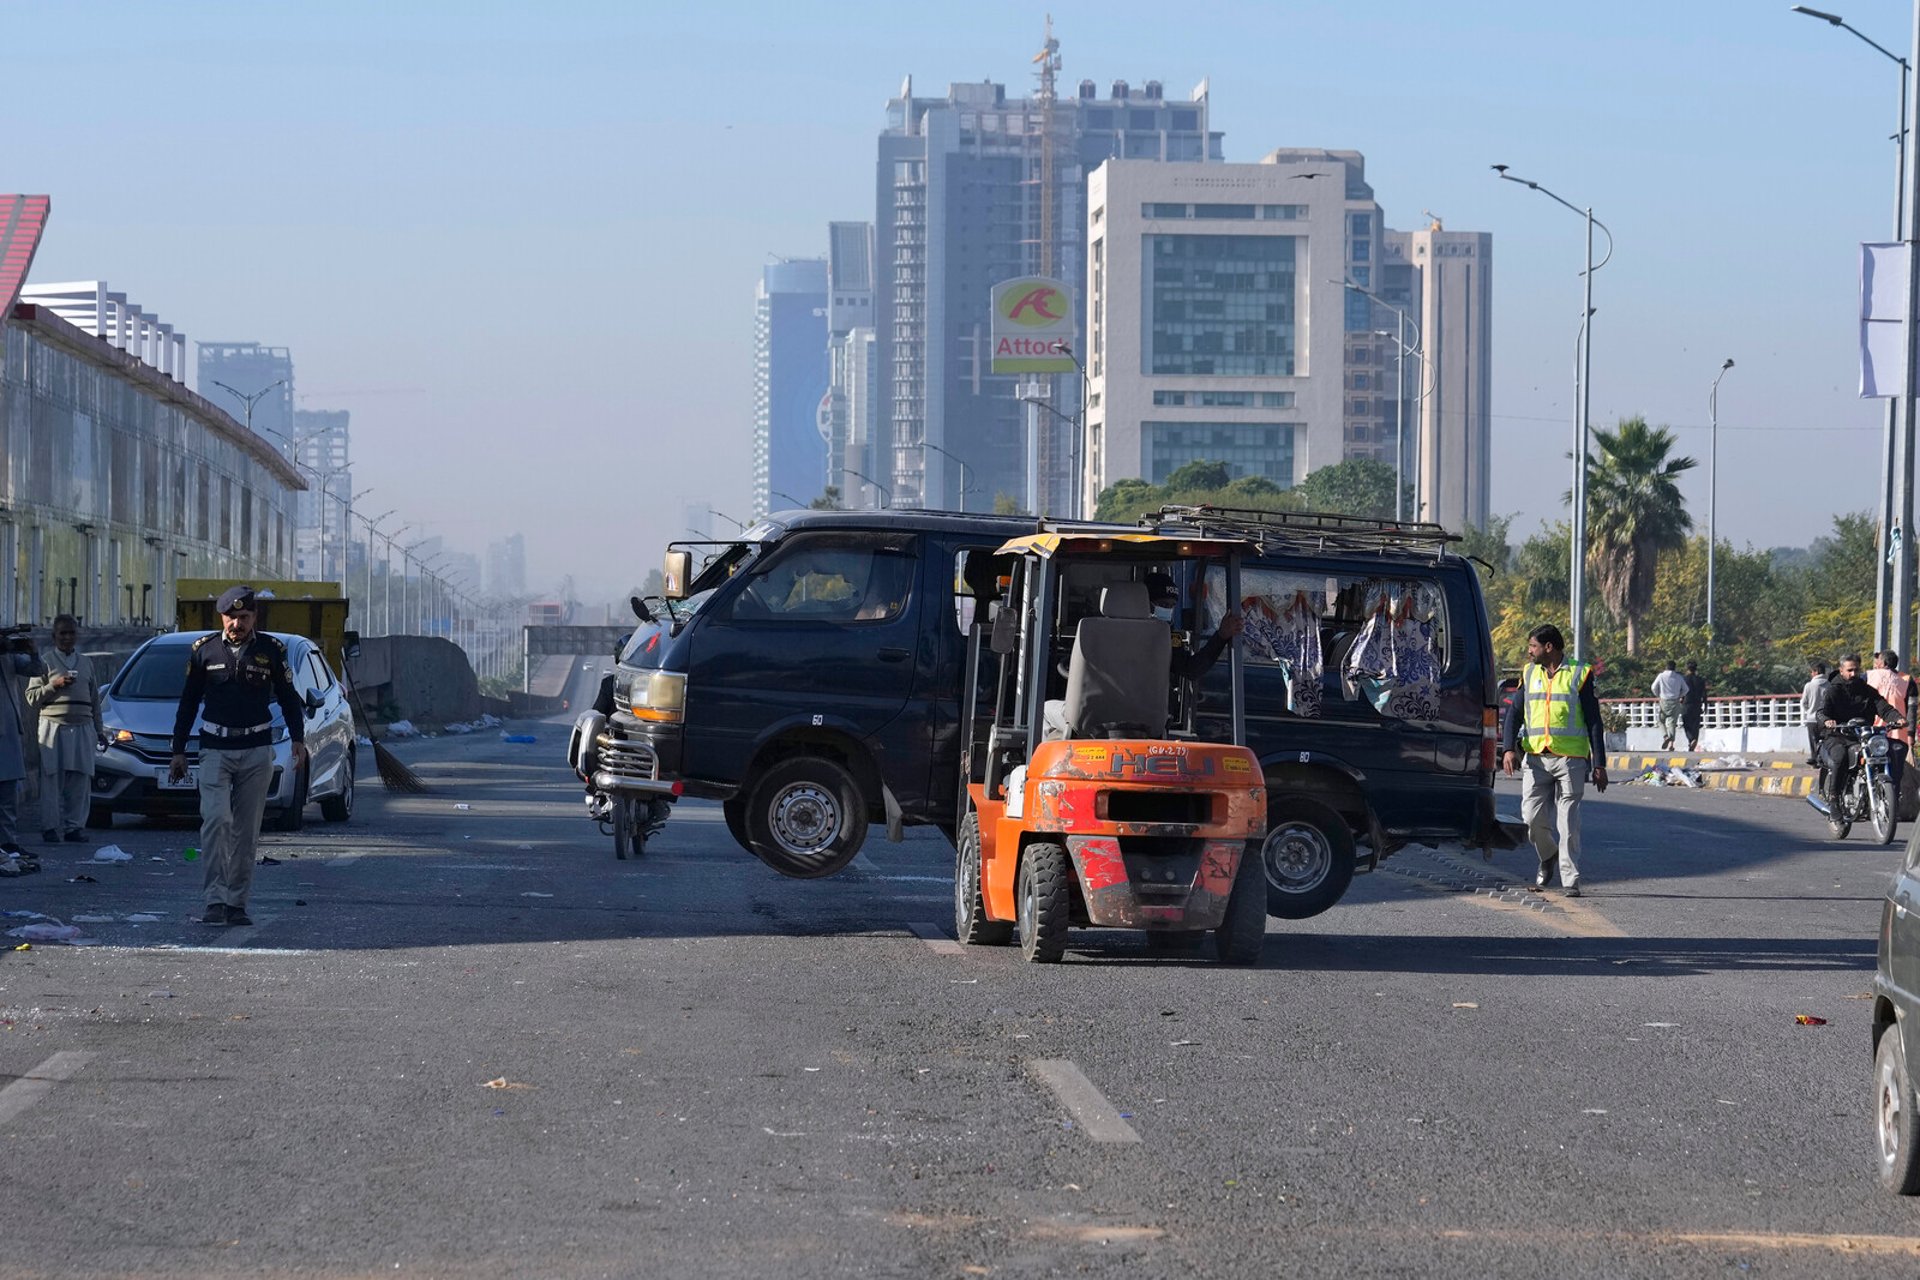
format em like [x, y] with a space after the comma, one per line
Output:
[130, 775]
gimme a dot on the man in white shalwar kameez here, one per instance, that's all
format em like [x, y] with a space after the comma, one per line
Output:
[68, 700]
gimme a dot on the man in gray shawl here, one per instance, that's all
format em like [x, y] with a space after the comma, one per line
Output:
[67, 696]
[17, 658]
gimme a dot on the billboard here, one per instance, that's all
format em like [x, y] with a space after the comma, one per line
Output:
[1032, 327]
[22, 218]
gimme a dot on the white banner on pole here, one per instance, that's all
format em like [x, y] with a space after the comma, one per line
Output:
[1883, 316]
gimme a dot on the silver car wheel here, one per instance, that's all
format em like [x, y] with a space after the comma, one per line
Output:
[804, 818]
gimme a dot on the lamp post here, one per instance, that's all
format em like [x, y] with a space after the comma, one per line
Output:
[250, 400]
[1582, 422]
[729, 519]
[965, 471]
[886, 494]
[1713, 484]
[406, 576]
[1079, 434]
[373, 527]
[776, 493]
[1399, 395]
[1892, 432]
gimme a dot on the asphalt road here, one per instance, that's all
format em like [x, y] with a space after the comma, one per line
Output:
[703, 1069]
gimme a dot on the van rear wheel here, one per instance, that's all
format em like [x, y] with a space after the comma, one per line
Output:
[806, 817]
[1307, 857]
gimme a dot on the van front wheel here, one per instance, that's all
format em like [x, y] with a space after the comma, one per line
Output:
[1307, 857]
[806, 817]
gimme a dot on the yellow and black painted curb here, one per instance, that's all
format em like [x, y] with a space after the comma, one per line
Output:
[1770, 777]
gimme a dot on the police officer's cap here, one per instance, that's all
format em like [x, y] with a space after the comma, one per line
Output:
[235, 600]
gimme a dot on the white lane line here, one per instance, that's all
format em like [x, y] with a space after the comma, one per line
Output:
[1086, 1104]
[936, 938]
[916, 879]
[172, 948]
[39, 1082]
[343, 860]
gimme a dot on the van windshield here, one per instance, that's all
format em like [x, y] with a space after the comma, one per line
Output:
[723, 561]
[649, 640]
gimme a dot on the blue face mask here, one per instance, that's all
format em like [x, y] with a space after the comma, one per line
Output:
[1164, 613]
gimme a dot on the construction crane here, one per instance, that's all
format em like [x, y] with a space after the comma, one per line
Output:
[1435, 225]
[1048, 60]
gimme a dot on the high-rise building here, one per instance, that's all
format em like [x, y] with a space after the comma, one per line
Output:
[789, 383]
[972, 189]
[847, 420]
[232, 374]
[506, 567]
[321, 449]
[1220, 329]
[1444, 279]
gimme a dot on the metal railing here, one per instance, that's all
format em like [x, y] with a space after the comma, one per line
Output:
[1772, 711]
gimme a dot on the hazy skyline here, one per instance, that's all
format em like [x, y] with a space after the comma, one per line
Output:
[521, 245]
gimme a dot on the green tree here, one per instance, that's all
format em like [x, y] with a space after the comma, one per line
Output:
[1005, 504]
[1634, 512]
[829, 500]
[1199, 475]
[1356, 487]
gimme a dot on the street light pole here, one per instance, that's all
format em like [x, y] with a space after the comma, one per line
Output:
[1713, 485]
[249, 400]
[886, 494]
[1892, 432]
[1583, 419]
[1400, 397]
[964, 471]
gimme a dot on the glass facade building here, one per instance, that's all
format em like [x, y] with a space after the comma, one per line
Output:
[1248, 448]
[1219, 304]
[117, 481]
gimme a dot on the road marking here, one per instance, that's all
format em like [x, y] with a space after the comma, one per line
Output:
[1566, 915]
[1086, 1104]
[174, 947]
[39, 1082]
[343, 860]
[936, 938]
[916, 879]
[1838, 1242]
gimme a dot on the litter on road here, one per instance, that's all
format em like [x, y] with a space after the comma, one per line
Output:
[522, 738]
[111, 853]
[1808, 1020]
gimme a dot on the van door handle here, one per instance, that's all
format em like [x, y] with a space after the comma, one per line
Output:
[893, 653]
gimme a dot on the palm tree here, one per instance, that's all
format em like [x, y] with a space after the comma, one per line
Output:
[1634, 512]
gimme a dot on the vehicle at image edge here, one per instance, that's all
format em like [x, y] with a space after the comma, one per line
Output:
[1896, 1028]
[137, 708]
[809, 721]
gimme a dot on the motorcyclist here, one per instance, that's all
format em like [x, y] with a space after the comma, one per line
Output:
[1846, 697]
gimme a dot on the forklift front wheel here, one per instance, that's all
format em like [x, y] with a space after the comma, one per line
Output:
[807, 817]
[1043, 894]
[970, 923]
[1243, 933]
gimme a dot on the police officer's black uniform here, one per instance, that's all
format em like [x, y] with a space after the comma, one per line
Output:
[232, 690]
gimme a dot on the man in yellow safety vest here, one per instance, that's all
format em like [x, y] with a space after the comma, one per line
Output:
[1555, 724]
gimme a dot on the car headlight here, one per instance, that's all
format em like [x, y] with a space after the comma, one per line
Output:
[658, 696]
[113, 736]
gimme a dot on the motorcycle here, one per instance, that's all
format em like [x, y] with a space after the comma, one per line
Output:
[1870, 794]
[623, 798]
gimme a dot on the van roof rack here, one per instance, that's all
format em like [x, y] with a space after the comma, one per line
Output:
[1309, 531]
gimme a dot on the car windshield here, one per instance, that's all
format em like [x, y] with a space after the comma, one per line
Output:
[157, 672]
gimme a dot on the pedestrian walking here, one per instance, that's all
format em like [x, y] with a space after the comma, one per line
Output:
[1891, 683]
[17, 659]
[234, 676]
[1556, 731]
[67, 696]
[1695, 712]
[1810, 708]
[1671, 688]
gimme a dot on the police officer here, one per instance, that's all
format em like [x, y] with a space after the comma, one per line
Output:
[237, 672]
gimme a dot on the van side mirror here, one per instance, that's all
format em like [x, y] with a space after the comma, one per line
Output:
[676, 574]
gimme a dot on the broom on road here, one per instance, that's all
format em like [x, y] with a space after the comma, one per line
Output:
[393, 773]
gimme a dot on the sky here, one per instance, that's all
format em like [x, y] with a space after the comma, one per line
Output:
[520, 243]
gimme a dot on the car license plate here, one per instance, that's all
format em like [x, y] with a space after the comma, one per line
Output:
[189, 783]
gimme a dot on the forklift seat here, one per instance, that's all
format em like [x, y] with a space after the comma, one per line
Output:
[1120, 671]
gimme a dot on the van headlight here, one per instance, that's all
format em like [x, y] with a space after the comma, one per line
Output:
[659, 697]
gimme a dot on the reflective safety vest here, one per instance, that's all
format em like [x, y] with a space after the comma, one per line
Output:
[1554, 722]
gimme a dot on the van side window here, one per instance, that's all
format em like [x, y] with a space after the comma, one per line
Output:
[833, 578]
[1385, 640]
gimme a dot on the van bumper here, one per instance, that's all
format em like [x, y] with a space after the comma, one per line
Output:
[663, 740]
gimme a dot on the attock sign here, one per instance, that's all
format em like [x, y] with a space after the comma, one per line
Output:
[1033, 328]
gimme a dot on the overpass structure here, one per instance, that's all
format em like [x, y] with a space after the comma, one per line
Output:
[564, 641]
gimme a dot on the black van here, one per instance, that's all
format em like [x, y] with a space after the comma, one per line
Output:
[812, 684]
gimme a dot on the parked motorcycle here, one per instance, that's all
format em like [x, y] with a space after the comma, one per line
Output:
[1870, 795]
[622, 797]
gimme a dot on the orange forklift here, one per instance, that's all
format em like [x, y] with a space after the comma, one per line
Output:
[1094, 791]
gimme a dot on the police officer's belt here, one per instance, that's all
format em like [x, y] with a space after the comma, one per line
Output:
[229, 731]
